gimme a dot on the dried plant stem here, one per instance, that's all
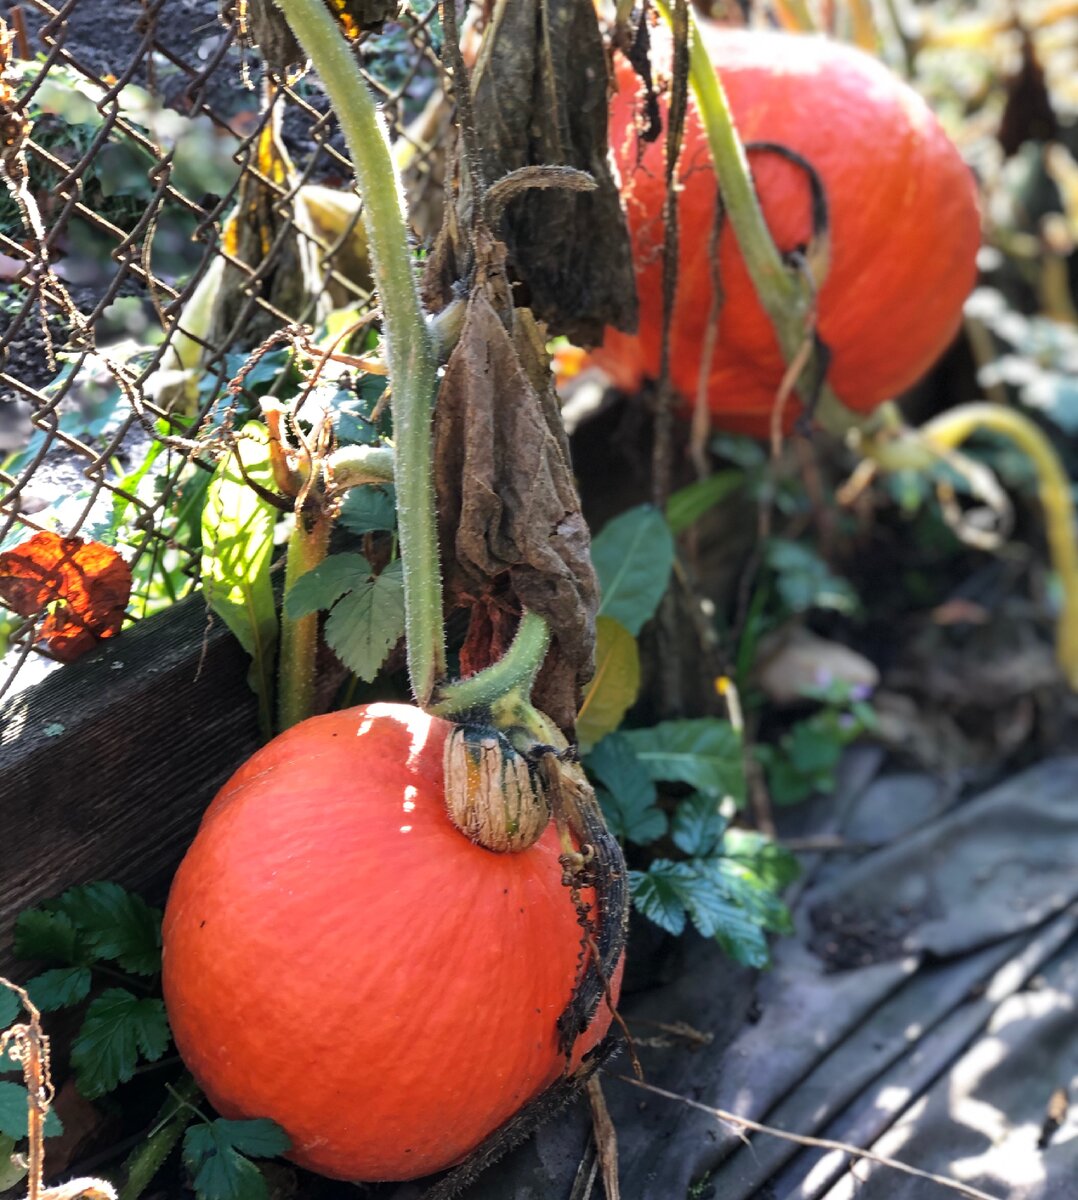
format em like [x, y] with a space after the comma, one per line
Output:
[410, 347]
[299, 635]
[720, 1114]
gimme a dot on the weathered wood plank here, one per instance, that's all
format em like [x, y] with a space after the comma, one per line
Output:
[107, 765]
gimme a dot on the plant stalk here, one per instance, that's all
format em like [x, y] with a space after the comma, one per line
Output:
[299, 635]
[411, 352]
[951, 428]
[514, 672]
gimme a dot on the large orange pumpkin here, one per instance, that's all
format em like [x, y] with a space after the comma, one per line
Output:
[903, 219]
[339, 958]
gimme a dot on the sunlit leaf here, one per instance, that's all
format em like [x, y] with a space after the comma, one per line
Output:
[614, 686]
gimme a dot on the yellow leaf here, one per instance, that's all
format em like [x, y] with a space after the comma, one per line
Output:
[614, 686]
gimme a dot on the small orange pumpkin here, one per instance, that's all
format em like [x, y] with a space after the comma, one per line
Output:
[339, 958]
[904, 225]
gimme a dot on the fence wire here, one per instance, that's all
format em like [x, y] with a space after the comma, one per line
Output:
[164, 208]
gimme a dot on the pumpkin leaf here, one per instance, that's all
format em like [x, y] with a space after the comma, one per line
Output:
[614, 686]
[627, 796]
[237, 546]
[703, 752]
[61, 987]
[13, 1113]
[633, 556]
[367, 623]
[323, 585]
[369, 508]
[697, 826]
[214, 1154]
[118, 1029]
[687, 505]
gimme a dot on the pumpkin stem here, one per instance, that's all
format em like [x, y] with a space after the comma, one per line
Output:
[514, 672]
[409, 342]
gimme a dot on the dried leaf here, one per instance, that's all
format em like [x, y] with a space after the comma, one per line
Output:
[507, 501]
[84, 586]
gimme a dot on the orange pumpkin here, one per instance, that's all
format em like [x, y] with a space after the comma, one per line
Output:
[903, 211]
[339, 958]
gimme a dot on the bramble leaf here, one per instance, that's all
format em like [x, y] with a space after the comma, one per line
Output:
[633, 556]
[367, 623]
[369, 508]
[703, 752]
[116, 925]
[771, 863]
[46, 935]
[13, 1116]
[324, 585]
[9, 1007]
[697, 826]
[118, 1028]
[214, 1155]
[59, 988]
[659, 893]
[628, 795]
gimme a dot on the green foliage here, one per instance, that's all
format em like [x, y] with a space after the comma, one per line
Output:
[215, 1154]
[369, 509]
[13, 1113]
[805, 581]
[614, 686]
[703, 752]
[118, 1030]
[633, 556]
[627, 795]
[237, 547]
[10, 1007]
[687, 506]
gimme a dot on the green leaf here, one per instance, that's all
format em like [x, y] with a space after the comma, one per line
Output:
[367, 623]
[13, 1113]
[118, 1028]
[11, 1170]
[628, 796]
[772, 864]
[697, 825]
[369, 508]
[686, 506]
[237, 546]
[614, 686]
[324, 585]
[116, 925]
[658, 893]
[47, 936]
[59, 988]
[10, 1007]
[633, 556]
[219, 1171]
[805, 581]
[703, 752]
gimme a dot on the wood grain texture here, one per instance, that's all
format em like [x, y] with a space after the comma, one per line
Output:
[107, 765]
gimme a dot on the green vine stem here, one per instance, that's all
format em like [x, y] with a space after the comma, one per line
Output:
[409, 343]
[949, 430]
[299, 635]
[514, 672]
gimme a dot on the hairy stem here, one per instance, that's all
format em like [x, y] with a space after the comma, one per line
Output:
[410, 346]
[515, 671]
[299, 635]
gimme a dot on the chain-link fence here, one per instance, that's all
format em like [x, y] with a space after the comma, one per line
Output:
[166, 207]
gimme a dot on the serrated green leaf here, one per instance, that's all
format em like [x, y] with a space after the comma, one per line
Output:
[628, 795]
[369, 509]
[687, 505]
[237, 546]
[773, 864]
[703, 752]
[614, 686]
[658, 893]
[118, 1028]
[10, 1007]
[697, 826]
[633, 556]
[218, 1171]
[47, 936]
[116, 925]
[324, 585]
[805, 581]
[367, 623]
[259, 1138]
[13, 1113]
[59, 988]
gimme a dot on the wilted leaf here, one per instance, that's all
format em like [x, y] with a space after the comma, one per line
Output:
[82, 587]
[633, 556]
[614, 686]
[237, 546]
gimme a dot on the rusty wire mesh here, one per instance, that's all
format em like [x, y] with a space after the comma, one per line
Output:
[160, 161]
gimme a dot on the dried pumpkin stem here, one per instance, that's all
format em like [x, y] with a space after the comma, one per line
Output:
[410, 346]
[299, 635]
[514, 672]
[952, 428]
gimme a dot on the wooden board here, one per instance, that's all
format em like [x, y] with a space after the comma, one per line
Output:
[107, 765]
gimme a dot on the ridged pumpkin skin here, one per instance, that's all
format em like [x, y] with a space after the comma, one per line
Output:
[339, 958]
[903, 216]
